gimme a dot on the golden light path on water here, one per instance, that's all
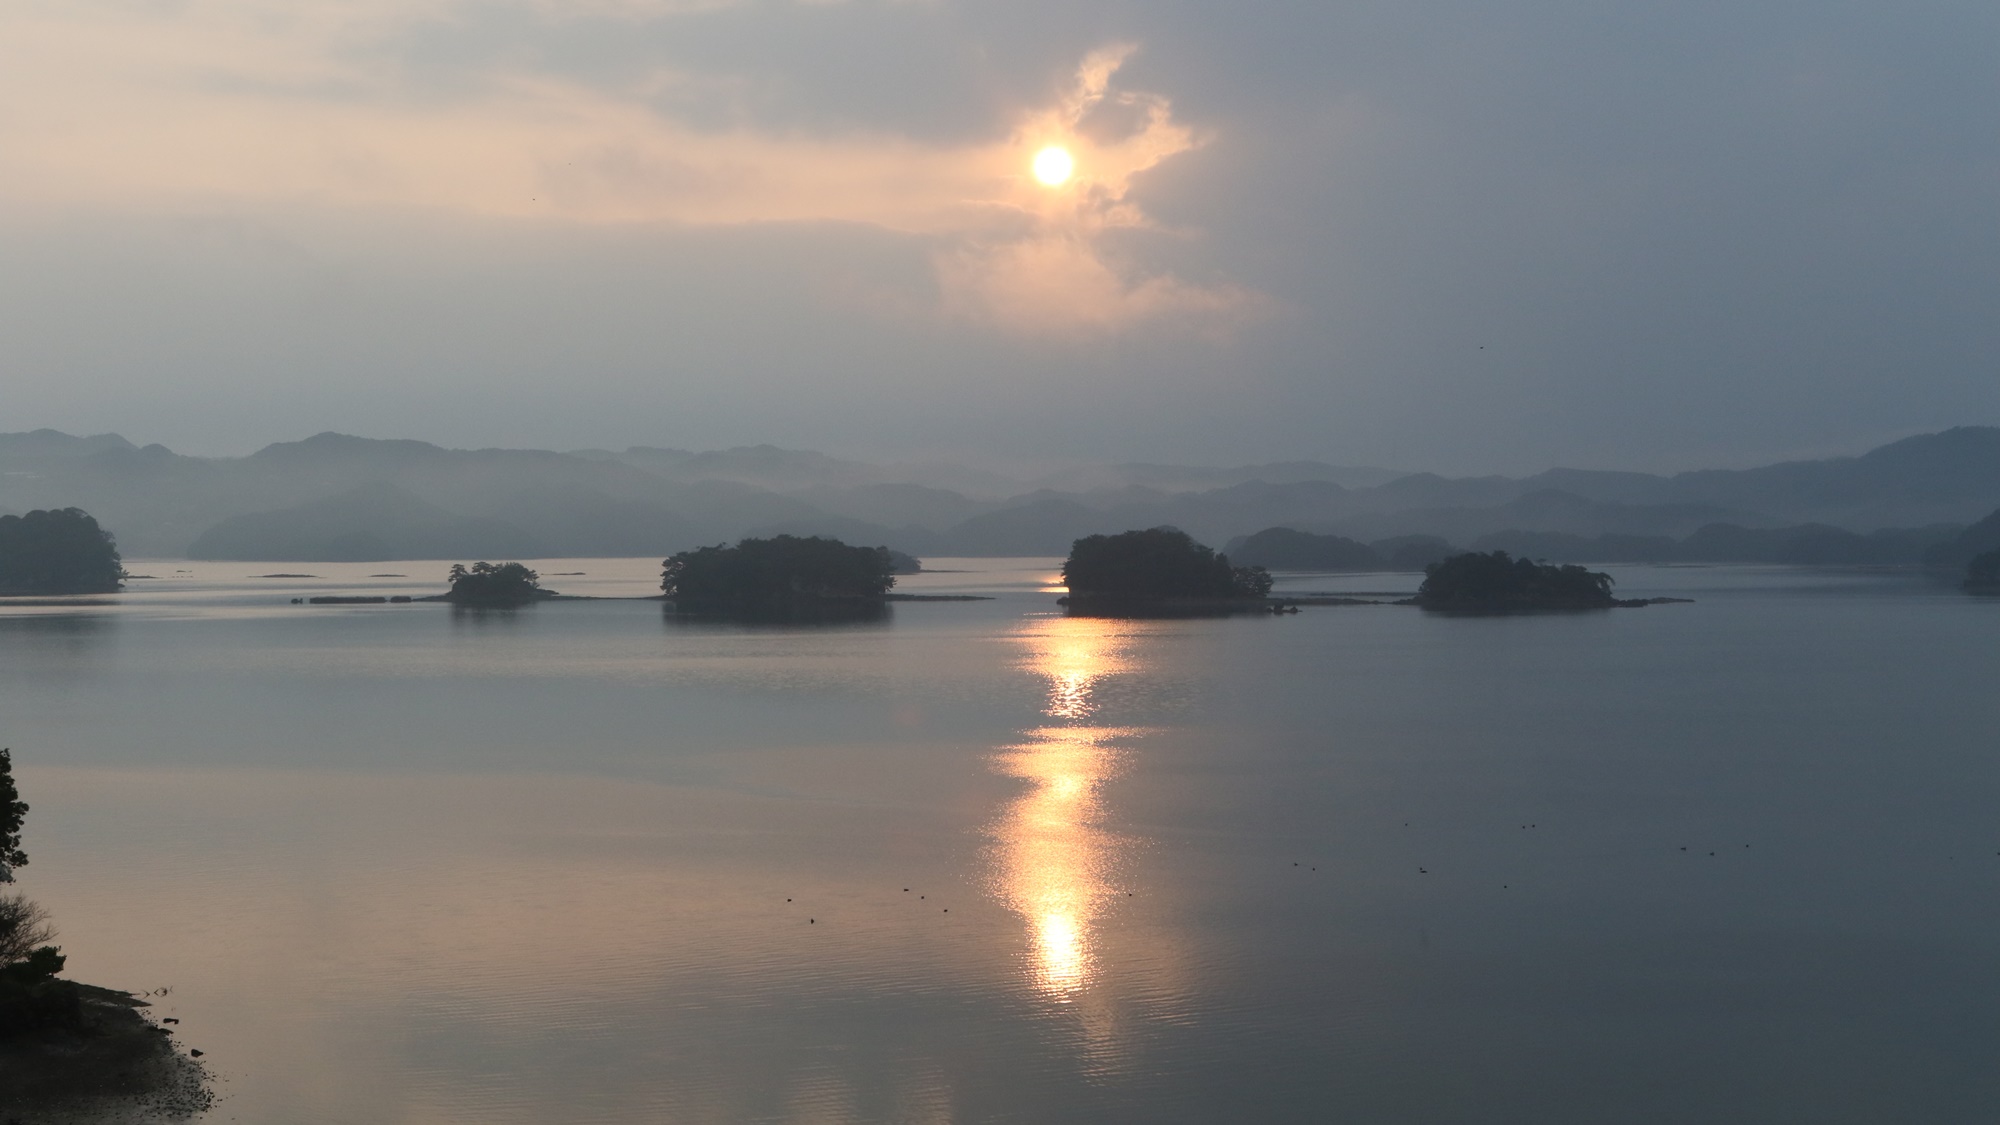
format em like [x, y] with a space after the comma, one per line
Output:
[1053, 858]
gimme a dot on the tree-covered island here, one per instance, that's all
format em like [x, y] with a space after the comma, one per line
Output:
[57, 552]
[495, 584]
[784, 577]
[1158, 570]
[1494, 582]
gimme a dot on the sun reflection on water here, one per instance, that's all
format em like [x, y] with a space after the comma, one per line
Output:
[1053, 858]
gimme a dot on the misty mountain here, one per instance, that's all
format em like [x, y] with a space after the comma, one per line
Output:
[1192, 478]
[897, 504]
[369, 523]
[786, 470]
[1976, 540]
[1545, 511]
[1282, 548]
[646, 501]
[22, 452]
[1947, 477]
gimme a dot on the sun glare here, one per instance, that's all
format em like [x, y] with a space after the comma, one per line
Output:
[1053, 166]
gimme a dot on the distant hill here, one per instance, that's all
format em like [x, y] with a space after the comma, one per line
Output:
[1953, 554]
[650, 500]
[1194, 478]
[1931, 478]
[1281, 548]
[370, 523]
[38, 445]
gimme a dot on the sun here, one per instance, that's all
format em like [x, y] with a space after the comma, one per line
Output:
[1053, 165]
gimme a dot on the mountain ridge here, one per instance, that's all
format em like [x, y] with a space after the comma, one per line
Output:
[646, 500]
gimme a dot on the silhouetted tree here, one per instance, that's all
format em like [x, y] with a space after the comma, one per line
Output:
[12, 812]
[485, 583]
[57, 551]
[777, 575]
[24, 927]
[1494, 580]
[26, 960]
[1159, 563]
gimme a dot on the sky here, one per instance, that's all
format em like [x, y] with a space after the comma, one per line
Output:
[1460, 235]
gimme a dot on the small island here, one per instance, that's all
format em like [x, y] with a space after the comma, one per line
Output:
[1495, 582]
[785, 577]
[495, 584]
[1160, 571]
[1982, 574]
[57, 552]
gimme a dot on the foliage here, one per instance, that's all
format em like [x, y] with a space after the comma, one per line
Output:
[12, 812]
[30, 998]
[39, 965]
[57, 551]
[486, 583]
[1162, 562]
[24, 927]
[33, 1000]
[1495, 580]
[779, 574]
[1983, 573]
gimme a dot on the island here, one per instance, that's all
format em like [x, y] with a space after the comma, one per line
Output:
[69, 1049]
[785, 577]
[1159, 571]
[1982, 574]
[494, 584]
[57, 552]
[1495, 582]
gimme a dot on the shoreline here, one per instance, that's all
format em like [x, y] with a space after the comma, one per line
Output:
[121, 1062]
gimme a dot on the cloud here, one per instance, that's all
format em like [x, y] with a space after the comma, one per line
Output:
[224, 102]
[1053, 277]
[1056, 285]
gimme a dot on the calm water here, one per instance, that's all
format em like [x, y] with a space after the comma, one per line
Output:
[1735, 861]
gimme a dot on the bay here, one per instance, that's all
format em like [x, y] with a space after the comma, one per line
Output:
[1735, 860]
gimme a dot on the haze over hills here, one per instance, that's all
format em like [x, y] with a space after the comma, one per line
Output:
[334, 496]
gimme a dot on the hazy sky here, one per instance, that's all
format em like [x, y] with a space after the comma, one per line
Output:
[1464, 235]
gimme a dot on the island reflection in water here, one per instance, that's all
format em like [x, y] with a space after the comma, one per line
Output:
[1054, 862]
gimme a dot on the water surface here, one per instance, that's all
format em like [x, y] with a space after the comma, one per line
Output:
[1731, 861]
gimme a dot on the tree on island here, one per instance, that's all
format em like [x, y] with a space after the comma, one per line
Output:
[1156, 565]
[1982, 574]
[1496, 581]
[57, 551]
[485, 583]
[783, 575]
